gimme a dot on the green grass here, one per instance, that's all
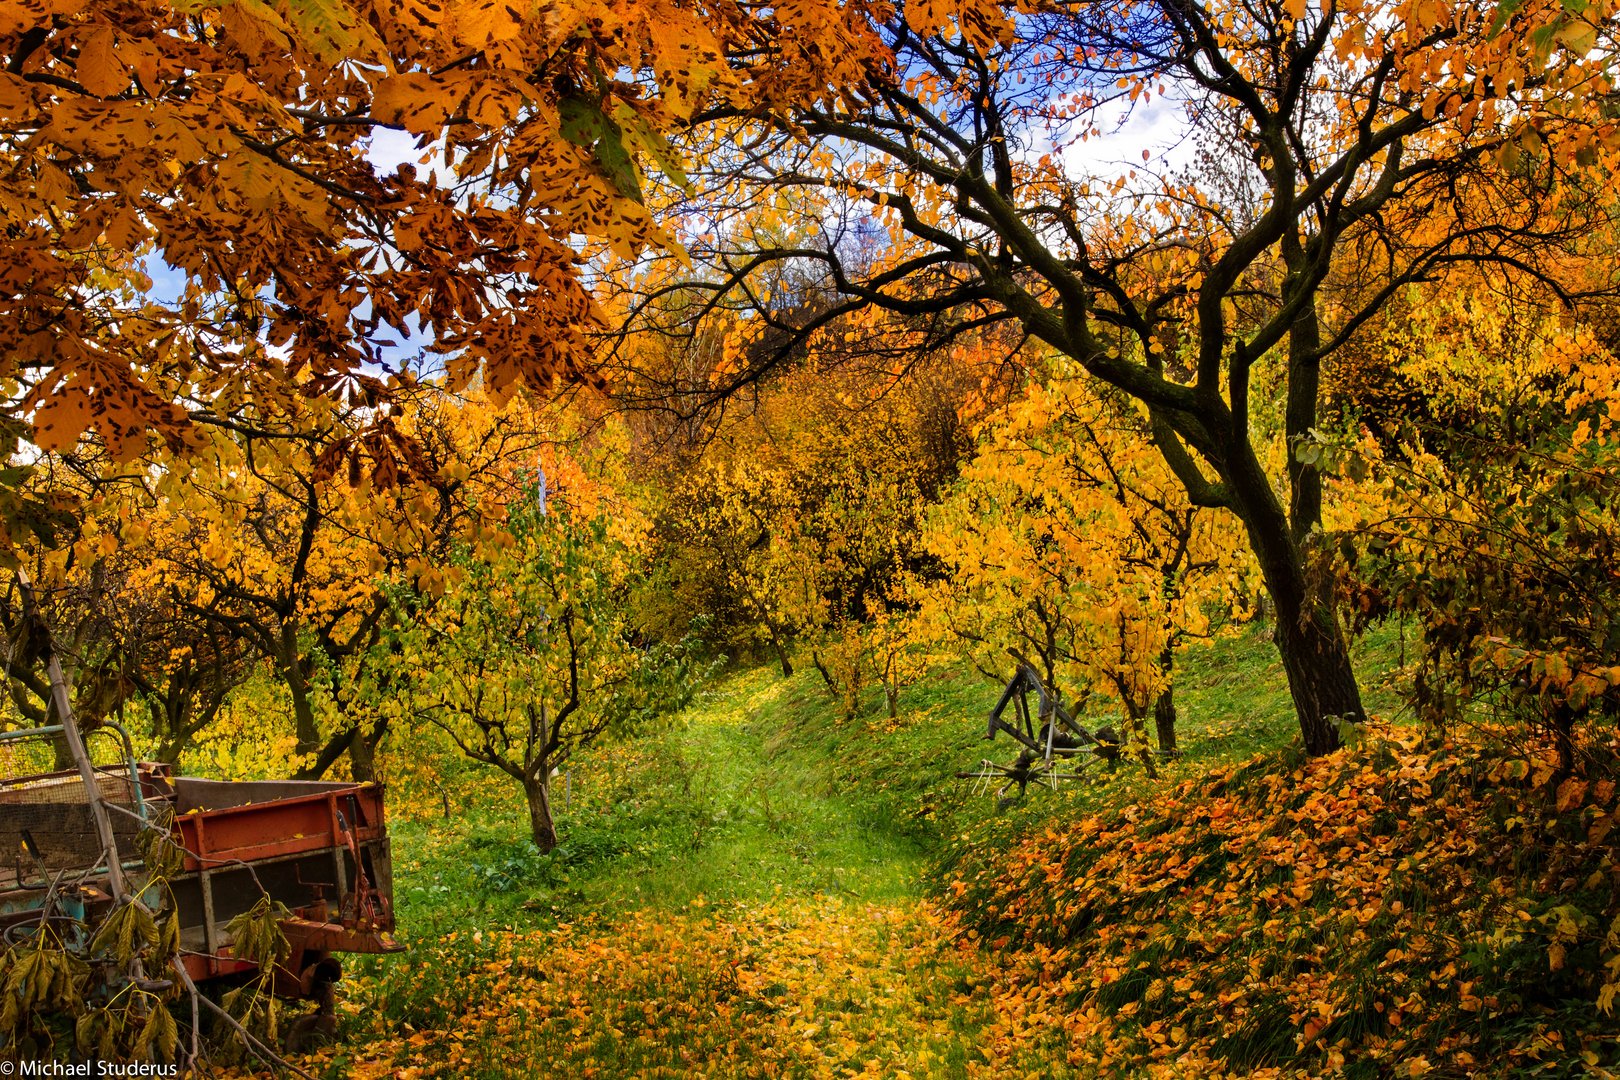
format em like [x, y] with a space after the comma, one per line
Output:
[760, 791]
[1232, 695]
[719, 805]
[760, 799]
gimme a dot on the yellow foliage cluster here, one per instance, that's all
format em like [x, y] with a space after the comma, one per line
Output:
[1498, 486]
[1069, 539]
[799, 521]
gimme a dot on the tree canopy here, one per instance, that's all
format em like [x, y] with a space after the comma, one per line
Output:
[955, 192]
[195, 216]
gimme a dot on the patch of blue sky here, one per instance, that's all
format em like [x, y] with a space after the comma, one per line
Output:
[394, 350]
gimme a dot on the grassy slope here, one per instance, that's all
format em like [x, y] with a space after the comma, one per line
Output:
[713, 807]
[1232, 703]
[757, 817]
[760, 790]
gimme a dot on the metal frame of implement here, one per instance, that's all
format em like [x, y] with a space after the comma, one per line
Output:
[1059, 737]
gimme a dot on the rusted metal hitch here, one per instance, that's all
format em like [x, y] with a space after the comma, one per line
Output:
[307, 935]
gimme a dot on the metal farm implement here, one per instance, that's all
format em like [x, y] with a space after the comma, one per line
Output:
[319, 848]
[1052, 740]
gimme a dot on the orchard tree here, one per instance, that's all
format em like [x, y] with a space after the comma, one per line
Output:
[729, 538]
[81, 588]
[1068, 541]
[530, 654]
[250, 540]
[1495, 522]
[795, 519]
[122, 642]
[1398, 135]
[259, 549]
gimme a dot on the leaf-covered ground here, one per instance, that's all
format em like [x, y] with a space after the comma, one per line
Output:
[1396, 909]
[804, 987]
[725, 903]
[763, 891]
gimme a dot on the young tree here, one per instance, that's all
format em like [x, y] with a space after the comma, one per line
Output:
[530, 654]
[1359, 125]
[1069, 541]
[1494, 522]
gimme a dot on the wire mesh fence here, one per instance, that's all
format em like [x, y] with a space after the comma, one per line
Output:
[46, 821]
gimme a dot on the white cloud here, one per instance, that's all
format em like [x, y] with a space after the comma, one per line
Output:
[389, 149]
[1159, 127]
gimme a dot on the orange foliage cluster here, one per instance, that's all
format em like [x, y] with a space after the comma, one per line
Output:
[1398, 909]
[231, 140]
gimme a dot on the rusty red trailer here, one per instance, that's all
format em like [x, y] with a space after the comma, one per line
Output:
[320, 848]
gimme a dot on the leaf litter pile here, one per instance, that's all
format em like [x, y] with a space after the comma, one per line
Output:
[1400, 909]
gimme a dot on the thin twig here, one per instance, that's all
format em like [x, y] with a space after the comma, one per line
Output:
[253, 1042]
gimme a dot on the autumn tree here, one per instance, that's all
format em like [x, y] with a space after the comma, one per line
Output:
[247, 542]
[1069, 542]
[177, 670]
[1352, 122]
[81, 599]
[1489, 518]
[122, 644]
[531, 653]
[795, 520]
[724, 538]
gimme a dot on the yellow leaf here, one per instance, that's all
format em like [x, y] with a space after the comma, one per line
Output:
[415, 101]
[480, 22]
[62, 419]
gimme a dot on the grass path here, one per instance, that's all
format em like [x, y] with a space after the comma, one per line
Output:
[740, 894]
[776, 823]
[727, 909]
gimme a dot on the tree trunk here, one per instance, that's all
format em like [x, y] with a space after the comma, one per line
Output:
[1315, 654]
[1164, 721]
[826, 676]
[1304, 385]
[1317, 660]
[541, 826]
[1164, 707]
[335, 747]
[1136, 736]
[363, 755]
[782, 656]
[167, 728]
[291, 666]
